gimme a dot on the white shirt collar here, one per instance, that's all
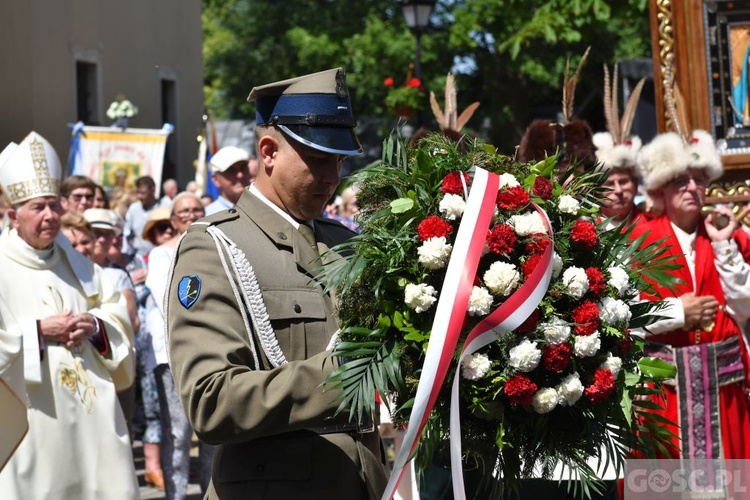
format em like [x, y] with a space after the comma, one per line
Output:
[254, 190]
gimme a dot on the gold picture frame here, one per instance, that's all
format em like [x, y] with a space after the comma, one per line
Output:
[707, 42]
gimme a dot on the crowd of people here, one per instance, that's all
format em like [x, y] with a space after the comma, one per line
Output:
[125, 316]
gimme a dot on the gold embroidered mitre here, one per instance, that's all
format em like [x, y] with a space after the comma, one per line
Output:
[29, 170]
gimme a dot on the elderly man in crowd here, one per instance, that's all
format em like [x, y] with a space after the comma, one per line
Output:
[75, 354]
[701, 336]
[232, 170]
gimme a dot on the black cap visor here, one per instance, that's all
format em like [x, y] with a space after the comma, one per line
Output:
[334, 140]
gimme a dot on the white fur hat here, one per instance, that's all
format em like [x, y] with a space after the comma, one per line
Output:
[610, 155]
[703, 154]
[662, 160]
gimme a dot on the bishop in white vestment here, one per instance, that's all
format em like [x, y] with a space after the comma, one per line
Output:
[65, 350]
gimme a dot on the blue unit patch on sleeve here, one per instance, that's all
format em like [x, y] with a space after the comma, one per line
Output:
[189, 290]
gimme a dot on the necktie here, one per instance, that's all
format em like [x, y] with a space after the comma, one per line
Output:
[307, 233]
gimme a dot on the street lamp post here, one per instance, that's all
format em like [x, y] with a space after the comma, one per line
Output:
[417, 17]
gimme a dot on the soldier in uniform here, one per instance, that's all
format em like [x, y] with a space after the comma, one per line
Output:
[250, 331]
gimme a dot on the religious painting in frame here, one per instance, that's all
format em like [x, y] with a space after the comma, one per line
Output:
[707, 44]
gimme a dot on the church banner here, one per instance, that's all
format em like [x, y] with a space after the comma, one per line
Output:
[115, 157]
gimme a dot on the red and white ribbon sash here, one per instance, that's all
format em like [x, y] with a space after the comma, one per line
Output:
[506, 318]
[450, 312]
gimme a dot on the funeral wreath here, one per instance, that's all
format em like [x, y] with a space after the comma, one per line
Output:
[487, 306]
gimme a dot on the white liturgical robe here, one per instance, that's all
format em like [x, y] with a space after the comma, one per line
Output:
[77, 444]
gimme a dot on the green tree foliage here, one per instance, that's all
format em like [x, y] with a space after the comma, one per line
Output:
[508, 54]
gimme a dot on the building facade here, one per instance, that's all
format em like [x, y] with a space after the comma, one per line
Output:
[65, 61]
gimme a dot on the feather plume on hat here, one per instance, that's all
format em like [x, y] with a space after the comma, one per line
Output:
[573, 138]
[615, 148]
[448, 118]
[659, 163]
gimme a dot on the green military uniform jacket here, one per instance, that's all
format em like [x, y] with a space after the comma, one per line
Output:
[252, 393]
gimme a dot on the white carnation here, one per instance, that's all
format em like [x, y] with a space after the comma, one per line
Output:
[502, 278]
[570, 390]
[419, 297]
[576, 282]
[480, 301]
[613, 311]
[613, 364]
[525, 356]
[453, 206]
[508, 180]
[528, 223]
[434, 253]
[557, 264]
[568, 205]
[586, 346]
[545, 400]
[618, 278]
[556, 331]
[475, 366]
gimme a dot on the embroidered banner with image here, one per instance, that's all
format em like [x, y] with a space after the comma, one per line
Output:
[115, 157]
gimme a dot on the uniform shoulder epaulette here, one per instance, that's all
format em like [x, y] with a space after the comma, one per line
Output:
[214, 219]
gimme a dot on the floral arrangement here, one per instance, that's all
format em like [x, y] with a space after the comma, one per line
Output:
[405, 99]
[121, 108]
[566, 384]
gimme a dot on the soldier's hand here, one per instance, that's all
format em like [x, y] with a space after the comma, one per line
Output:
[698, 309]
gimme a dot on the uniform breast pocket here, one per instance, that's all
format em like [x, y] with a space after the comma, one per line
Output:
[299, 318]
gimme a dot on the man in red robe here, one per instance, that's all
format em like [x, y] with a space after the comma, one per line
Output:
[707, 399]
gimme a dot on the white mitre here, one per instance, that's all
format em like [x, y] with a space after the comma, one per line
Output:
[30, 169]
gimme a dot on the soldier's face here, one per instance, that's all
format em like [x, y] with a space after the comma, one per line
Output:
[304, 179]
[37, 221]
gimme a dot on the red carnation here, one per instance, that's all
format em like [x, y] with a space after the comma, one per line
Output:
[586, 318]
[557, 357]
[583, 233]
[603, 386]
[388, 82]
[529, 325]
[433, 227]
[501, 239]
[542, 188]
[530, 264]
[415, 83]
[512, 198]
[520, 390]
[596, 281]
[452, 183]
[537, 243]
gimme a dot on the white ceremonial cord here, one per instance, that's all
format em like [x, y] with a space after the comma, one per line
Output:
[218, 236]
[251, 292]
